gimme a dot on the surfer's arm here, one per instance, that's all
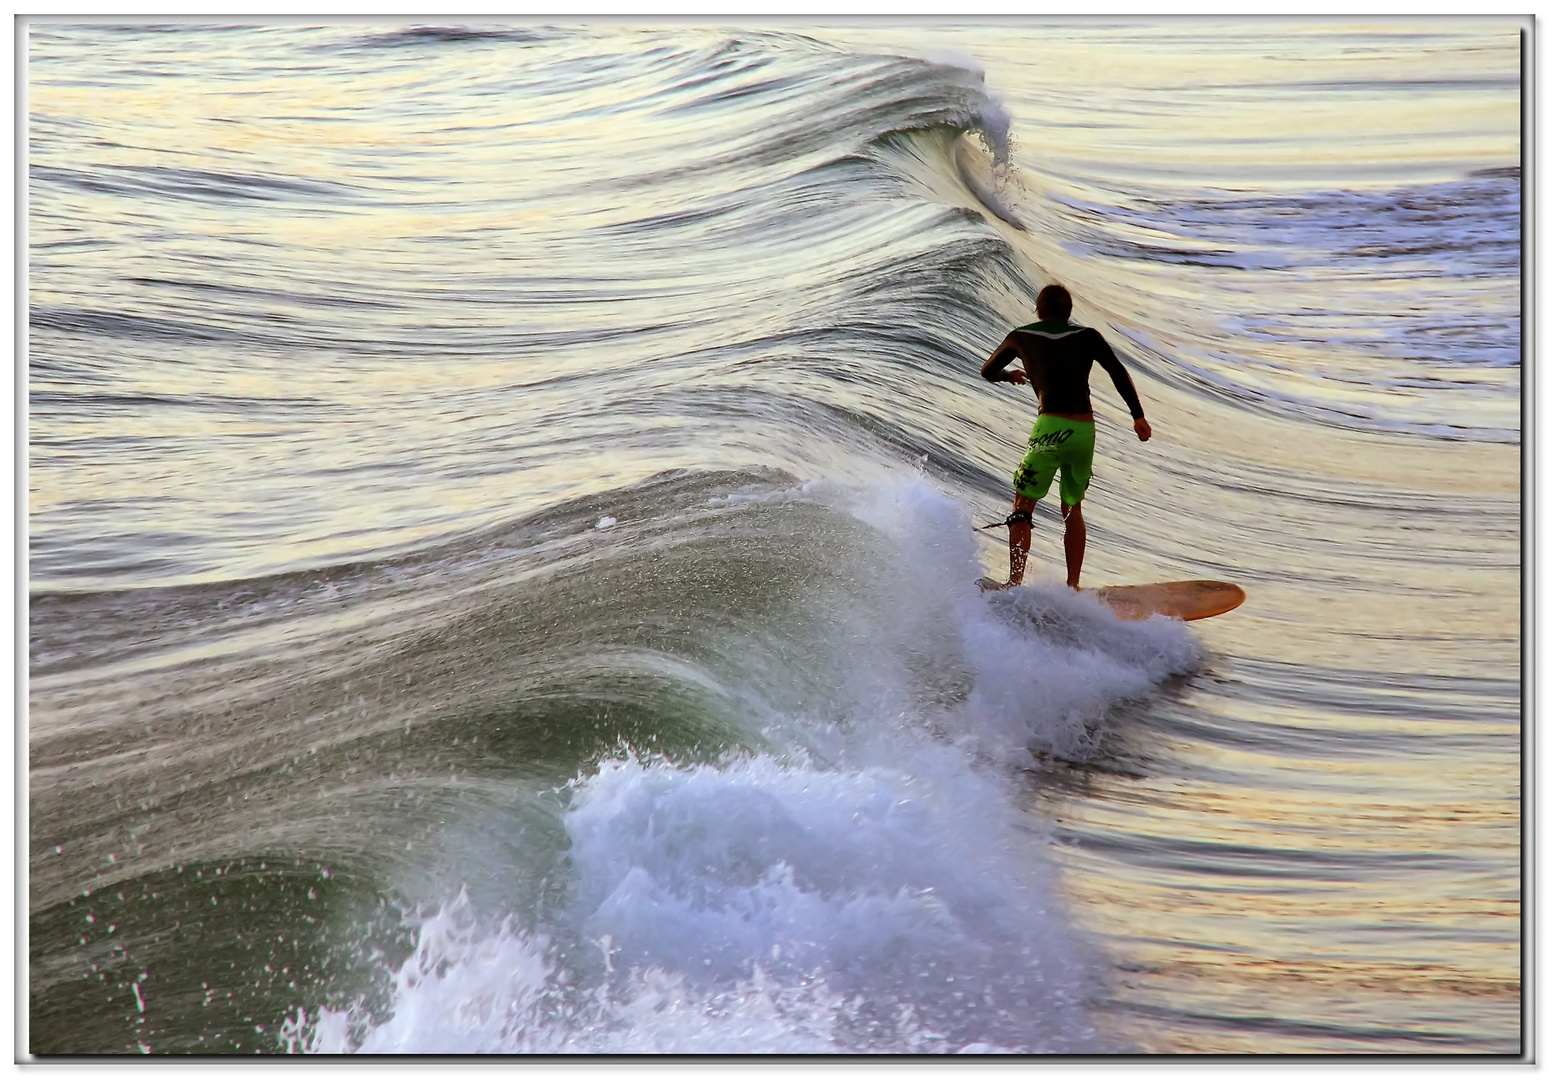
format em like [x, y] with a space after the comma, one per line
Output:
[1121, 380]
[995, 369]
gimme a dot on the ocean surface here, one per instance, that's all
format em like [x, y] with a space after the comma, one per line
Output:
[501, 549]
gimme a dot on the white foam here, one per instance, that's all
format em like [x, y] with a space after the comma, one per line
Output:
[760, 906]
[468, 995]
[888, 894]
[1046, 664]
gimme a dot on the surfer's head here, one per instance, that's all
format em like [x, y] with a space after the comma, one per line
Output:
[1054, 303]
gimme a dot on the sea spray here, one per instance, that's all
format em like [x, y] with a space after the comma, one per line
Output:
[1044, 664]
[759, 905]
[870, 884]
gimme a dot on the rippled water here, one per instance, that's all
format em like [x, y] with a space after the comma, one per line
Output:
[500, 549]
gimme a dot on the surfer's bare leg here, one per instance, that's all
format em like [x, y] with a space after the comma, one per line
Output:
[1019, 539]
[1074, 537]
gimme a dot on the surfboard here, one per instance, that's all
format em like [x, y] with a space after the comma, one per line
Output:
[1186, 600]
[1175, 599]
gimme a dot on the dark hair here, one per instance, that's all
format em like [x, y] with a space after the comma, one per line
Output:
[1054, 302]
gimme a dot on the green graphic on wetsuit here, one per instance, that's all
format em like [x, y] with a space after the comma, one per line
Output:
[1057, 443]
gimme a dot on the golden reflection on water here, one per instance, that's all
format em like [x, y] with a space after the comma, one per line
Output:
[1293, 891]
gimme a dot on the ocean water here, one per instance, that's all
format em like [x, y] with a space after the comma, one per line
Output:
[500, 539]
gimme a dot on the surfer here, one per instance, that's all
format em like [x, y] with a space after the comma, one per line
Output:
[1056, 359]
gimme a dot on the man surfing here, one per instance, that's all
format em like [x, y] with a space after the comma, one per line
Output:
[1057, 356]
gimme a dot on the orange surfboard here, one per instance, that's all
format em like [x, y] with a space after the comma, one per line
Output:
[1186, 600]
[1175, 599]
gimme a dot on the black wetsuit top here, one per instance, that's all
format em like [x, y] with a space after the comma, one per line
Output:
[1058, 357]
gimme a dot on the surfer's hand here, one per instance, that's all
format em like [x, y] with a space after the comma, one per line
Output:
[1141, 426]
[1015, 376]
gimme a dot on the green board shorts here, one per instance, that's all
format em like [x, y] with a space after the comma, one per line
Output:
[1054, 443]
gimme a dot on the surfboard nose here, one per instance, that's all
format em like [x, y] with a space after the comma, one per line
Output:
[1187, 600]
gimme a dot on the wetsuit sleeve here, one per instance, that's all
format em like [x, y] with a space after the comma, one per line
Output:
[1119, 376]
